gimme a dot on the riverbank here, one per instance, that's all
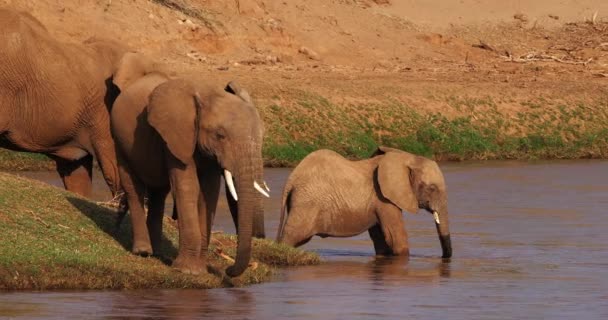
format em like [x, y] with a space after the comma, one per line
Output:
[52, 239]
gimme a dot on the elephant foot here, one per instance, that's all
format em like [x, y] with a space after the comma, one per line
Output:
[141, 249]
[194, 266]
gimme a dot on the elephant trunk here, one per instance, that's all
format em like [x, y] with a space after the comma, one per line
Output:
[249, 204]
[443, 231]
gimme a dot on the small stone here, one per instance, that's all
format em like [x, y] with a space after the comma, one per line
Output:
[521, 17]
[223, 68]
[309, 53]
[151, 16]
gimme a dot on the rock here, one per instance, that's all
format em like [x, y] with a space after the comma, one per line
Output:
[521, 17]
[223, 68]
[309, 53]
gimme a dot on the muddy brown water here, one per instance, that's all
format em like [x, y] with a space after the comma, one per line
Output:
[530, 241]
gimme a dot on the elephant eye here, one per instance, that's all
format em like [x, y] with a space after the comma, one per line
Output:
[220, 134]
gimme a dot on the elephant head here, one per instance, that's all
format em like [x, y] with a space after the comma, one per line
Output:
[201, 121]
[412, 182]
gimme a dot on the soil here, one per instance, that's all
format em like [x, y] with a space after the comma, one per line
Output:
[359, 51]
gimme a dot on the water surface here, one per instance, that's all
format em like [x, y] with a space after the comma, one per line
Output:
[529, 242]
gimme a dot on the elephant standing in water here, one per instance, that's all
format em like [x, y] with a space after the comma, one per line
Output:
[330, 196]
[175, 135]
[55, 99]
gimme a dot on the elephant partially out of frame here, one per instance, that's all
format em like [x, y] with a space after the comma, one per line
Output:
[330, 196]
[55, 99]
[181, 136]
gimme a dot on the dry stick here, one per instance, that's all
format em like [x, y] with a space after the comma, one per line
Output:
[37, 218]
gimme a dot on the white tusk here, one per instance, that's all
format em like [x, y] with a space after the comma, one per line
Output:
[436, 216]
[258, 188]
[230, 184]
[265, 186]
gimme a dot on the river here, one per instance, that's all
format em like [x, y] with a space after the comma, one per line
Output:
[530, 241]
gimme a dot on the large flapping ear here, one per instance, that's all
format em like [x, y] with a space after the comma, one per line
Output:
[234, 88]
[395, 182]
[172, 111]
[132, 66]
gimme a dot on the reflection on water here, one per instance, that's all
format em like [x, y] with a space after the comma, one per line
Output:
[529, 242]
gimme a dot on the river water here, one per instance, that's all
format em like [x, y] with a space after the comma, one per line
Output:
[530, 241]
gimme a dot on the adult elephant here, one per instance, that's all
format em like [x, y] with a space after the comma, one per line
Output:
[54, 99]
[175, 135]
[330, 196]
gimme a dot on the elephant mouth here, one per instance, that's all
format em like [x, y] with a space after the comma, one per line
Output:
[261, 188]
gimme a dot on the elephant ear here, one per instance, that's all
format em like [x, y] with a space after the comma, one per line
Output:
[172, 111]
[394, 179]
[130, 67]
[234, 88]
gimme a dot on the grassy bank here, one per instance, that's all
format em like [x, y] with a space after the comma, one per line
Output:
[51, 239]
[467, 128]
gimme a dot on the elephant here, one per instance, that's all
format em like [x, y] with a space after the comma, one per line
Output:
[182, 136]
[55, 99]
[330, 196]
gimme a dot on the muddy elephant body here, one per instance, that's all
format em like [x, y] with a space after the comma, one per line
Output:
[179, 137]
[330, 196]
[55, 99]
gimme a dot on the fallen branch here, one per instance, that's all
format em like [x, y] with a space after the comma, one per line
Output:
[484, 46]
[532, 57]
[253, 265]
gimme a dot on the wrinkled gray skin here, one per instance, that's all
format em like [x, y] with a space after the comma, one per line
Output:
[330, 196]
[55, 97]
[174, 135]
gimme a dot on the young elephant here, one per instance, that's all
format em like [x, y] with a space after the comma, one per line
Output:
[330, 196]
[174, 135]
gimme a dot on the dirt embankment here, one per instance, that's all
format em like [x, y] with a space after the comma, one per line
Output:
[457, 80]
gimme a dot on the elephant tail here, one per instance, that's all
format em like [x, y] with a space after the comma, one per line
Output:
[285, 200]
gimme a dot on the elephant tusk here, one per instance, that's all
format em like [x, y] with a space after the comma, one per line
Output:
[436, 216]
[258, 188]
[230, 184]
[265, 186]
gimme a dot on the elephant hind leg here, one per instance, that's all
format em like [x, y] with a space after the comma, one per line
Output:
[77, 175]
[299, 227]
[134, 190]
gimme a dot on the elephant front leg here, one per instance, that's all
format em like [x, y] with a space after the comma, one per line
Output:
[393, 228]
[77, 175]
[154, 222]
[186, 192]
[210, 190]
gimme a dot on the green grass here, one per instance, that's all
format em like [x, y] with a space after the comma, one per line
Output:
[20, 161]
[542, 129]
[52, 239]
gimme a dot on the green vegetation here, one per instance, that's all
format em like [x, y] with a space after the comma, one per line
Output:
[467, 128]
[52, 239]
[478, 130]
[19, 161]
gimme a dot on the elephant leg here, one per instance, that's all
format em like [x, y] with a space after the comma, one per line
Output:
[77, 175]
[207, 204]
[154, 222]
[186, 193]
[105, 152]
[135, 192]
[395, 235]
[299, 227]
[380, 246]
